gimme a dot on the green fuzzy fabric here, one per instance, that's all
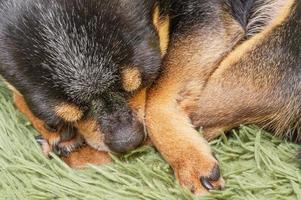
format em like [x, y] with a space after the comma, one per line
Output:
[254, 164]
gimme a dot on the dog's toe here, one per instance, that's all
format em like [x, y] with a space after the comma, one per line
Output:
[215, 175]
[46, 149]
[62, 152]
[64, 148]
[40, 140]
[199, 173]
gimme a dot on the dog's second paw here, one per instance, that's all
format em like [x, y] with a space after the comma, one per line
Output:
[63, 148]
[200, 173]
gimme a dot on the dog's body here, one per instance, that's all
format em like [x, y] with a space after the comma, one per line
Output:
[79, 60]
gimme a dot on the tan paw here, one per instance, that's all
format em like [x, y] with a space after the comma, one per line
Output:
[200, 173]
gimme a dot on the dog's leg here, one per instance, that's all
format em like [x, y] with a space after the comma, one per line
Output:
[52, 137]
[193, 55]
[181, 145]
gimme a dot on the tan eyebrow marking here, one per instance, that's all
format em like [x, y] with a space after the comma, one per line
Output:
[68, 112]
[131, 79]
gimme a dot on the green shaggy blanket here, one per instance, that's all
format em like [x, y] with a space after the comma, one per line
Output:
[255, 166]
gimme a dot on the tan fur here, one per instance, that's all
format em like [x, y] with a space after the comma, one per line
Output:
[137, 104]
[52, 138]
[87, 128]
[164, 34]
[172, 113]
[91, 132]
[86, 155]
[178, 142]
[203, 85]
[131, 79]
[156, 17]
[161, 24]
[68, 112]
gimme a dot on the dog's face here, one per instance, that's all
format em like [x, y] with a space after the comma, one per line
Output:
[114, 58]
[91, 58]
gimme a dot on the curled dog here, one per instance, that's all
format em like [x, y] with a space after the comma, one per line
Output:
[228, 62]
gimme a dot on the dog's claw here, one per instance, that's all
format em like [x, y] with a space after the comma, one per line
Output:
[206, 183]
[60, 151]
[214, 176]
[44, 145]
[40, 140]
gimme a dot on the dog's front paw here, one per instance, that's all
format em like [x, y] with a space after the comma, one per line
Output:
[60, 147]
[65, 147]
[200, 173]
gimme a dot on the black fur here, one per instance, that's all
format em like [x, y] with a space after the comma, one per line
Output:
[241, 10]
[56, 51]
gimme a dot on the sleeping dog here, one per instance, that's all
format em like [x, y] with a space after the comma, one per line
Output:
[72, 61]
[228, 62]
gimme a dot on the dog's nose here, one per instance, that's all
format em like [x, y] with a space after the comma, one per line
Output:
[125, 138]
